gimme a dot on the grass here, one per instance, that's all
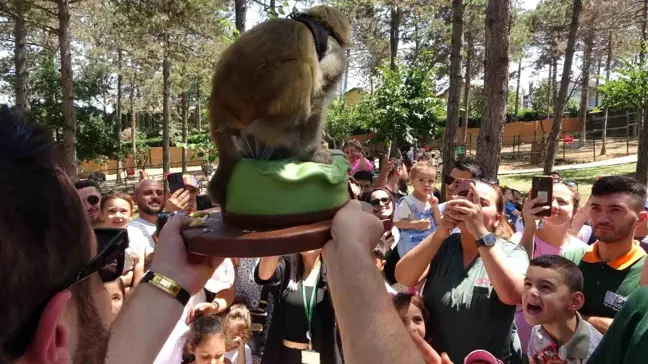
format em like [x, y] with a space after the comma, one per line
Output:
[584, 177]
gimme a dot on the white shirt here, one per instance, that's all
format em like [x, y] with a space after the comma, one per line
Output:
[140, 234]
[404, 211]
[233, 355]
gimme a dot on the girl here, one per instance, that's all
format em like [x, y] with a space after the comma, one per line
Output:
[417, 214]
[206, 343]
[412, 312]
[473, 279]
[117, 292]
[238, 323]
[115, 210]
[303, 315]
[353, 153]
[553, 238]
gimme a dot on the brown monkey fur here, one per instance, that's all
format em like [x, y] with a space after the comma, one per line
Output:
[269, 92]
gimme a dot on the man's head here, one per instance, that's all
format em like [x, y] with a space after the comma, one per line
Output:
[364, 180]
[45, 238]
[398, 172]
[556, 176]
[553, 290]
[149, 197]
[617, 208]
[90, 194]
[461, 170]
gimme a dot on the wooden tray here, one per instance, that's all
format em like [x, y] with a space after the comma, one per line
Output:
[218, 239]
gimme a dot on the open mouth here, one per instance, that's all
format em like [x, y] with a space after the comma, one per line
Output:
[533, 309]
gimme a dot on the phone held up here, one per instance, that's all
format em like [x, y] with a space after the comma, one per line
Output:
[542, 188]
[462, 187]
[175, 181]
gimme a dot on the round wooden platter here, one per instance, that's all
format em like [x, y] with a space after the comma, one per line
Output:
[218, 239]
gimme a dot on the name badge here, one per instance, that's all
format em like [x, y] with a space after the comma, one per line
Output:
[310, 357]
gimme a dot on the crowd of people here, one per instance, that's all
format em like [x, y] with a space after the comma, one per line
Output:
[409, 276]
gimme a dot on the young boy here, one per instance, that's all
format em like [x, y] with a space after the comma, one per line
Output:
[552, 296]
[417, 215]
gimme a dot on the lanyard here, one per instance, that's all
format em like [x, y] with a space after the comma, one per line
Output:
[309, 307]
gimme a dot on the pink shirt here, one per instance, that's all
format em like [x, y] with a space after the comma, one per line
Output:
[541, 248]
[356, 167]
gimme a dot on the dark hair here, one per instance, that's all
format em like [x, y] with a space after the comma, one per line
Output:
[516, 191]
[363, 176]
[84, 183]
[114, 196]
[202, 327]
[352, 144]
[555, 174]
[504, 189]
[621, 184]
[379, 252]
[366, 197]
[572, 275]
[397, 164]
[403, 300]
[44, 235]
[475, 170]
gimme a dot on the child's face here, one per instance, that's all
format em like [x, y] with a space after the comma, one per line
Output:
[116, 213]
[116, 297]
[351, 153]
[365, 186]
[546, 297]
[424, 181]
[235, 329]
[211, 350]
[508, 195]
[412, 318]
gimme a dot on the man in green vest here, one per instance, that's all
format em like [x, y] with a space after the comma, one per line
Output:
[612, 265]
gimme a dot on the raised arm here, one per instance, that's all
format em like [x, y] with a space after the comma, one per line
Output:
[370, 328]
[529, 213]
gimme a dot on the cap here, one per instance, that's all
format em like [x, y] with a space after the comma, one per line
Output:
[191, 181]
[481, 355]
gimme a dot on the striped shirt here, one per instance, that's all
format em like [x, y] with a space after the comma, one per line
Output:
[140, 234]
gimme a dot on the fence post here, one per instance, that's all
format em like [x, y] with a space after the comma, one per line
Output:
[534, 136]
[563, 141]
[627, 140]
[519, 142]
[470, 143]
[594, 146]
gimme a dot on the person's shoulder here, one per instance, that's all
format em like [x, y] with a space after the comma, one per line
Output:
[576, 253]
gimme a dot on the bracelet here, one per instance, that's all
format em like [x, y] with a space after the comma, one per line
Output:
[167, 285]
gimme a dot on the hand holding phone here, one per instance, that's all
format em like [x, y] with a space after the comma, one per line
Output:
[463, 186]
[542, 189]
[175, 181]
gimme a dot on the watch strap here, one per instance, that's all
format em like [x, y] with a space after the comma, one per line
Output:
[167, 285]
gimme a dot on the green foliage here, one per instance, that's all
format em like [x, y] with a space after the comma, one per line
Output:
[630, 90]
[404, 106]
[342, 120]
[202, 147]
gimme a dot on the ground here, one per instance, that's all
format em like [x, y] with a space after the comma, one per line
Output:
[585, 177]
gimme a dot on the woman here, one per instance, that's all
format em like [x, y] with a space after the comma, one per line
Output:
[303, 312]
[552, 238]
[474, 278]
[383, 208]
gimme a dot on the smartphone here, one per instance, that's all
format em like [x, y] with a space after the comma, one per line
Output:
[105, 237]
[462, 187]
[175, 181]
[542, 188]
[387, 224]
[203, 202]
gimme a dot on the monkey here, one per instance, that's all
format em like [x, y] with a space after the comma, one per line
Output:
[270, 88]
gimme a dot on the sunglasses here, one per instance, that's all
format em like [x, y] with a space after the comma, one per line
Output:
[108, 263]
[93, 200]
[572, 184]
[377, 201]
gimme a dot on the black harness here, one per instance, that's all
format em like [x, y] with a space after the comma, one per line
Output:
[320, 31]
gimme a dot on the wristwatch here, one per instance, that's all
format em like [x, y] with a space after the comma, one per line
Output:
[487, 240]
[168, 285]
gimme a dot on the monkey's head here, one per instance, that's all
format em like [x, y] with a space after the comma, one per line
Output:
[337, 22]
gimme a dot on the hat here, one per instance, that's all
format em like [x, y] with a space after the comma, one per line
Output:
[482, 355]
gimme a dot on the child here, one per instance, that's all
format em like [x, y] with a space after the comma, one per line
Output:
[238, 323]
[412, 312]
[364, 180]
[353, 152]
[512, 213]
[378, 253]
[117, 292]
[115, 210]
[552, 296]
[417, 214]
[206, 342]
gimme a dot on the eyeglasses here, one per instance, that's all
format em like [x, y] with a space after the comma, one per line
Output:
[108, 263]
[448, 179]
[377, 201]
[93, 200]
[572, 184]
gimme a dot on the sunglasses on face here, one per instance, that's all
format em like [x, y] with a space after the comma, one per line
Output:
[93, 200]
[377, 201]
[108, 263]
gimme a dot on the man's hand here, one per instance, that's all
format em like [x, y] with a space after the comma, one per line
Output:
[346, 223]
[203, 309]
[429, 354]
[172, 259]
[178, 201]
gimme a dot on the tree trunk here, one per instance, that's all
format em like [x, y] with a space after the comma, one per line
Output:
[552, 145]
[69, 162]
[644, 33]
[240, 9]
[587, 65]
[454, 91]
[118, 115]
[608, 64]
[517, 90]
[641, 173]
[394, 35]
[598, 76]
[466, 99]
[346, 72]
[20, 60]
[489, 142]
[185, 128]
[550, 90]
[133, 123]
[198, 107]
[166, 111]
[554, 76]
[273, 7]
